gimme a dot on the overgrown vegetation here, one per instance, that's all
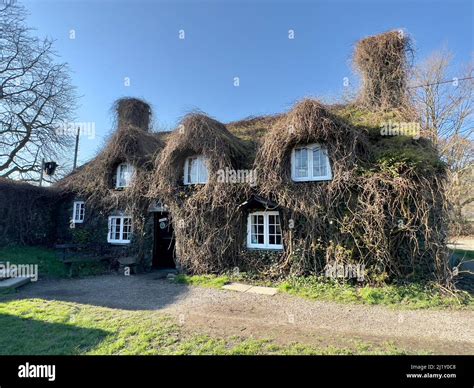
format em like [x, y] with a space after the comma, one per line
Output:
[41, 327]
[208, 225]
[26, 213]
[383, 62]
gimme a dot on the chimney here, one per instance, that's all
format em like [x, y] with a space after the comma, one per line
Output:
[382, 62]
[133, 112]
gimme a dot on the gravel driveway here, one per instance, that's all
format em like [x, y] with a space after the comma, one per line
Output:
[283, 318]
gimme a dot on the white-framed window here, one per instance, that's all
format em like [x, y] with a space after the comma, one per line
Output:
[78, 212]
[264, 230]
[195, 170]
[125, 173]
[120, 229]
[310, 163]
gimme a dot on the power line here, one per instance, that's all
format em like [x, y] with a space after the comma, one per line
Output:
[441, 82]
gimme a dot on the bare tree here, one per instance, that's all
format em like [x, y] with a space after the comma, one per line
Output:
[36, 98]
[445, 102]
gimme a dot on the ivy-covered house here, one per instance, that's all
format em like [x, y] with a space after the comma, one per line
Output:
[288, 193]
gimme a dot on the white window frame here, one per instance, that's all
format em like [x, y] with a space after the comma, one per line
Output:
[202, 177]
[128, 181]
[266, 237]
[120, 240]
[310, 177]
[78, 212]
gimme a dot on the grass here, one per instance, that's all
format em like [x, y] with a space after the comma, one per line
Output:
[48, 264]
[208, 281]
[45, 327]
[408, 296]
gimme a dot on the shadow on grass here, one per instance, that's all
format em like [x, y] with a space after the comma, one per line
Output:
[137, 292]
[25, 336]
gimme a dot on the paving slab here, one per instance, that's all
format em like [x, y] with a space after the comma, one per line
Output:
[237, 287]
[262, 290]
[240, 287]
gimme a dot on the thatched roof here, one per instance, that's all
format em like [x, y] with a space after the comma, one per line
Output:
[252, 128]
[198, 134]
[133, 143]
[308, 122]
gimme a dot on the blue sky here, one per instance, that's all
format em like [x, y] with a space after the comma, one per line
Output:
[140, 40]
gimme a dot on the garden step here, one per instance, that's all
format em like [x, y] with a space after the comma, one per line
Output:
[14, 282]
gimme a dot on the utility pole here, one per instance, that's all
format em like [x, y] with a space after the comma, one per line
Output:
[76, 149]
[41, 173]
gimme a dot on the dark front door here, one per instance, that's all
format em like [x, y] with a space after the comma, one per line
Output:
[163, 243]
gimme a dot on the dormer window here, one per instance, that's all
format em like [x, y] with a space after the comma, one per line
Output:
[125, 173]
[195, 170]
[310, 163]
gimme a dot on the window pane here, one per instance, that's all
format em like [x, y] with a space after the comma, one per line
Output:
[127, 228]
[118, 222]
[193, 170]
[257, 229]
[122, 182]
[203, 175]
[301, 162]
[274, 230]
[125, 174]
[112, 228]
[319, 163]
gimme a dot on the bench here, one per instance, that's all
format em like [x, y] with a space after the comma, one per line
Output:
[70, 254]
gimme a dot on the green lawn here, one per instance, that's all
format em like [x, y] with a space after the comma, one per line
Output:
[49, 265]
[41, 327]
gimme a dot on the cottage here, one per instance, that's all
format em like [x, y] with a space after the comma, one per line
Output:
[327, 187]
